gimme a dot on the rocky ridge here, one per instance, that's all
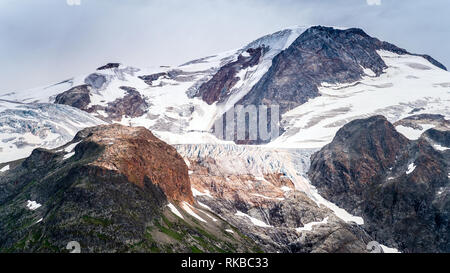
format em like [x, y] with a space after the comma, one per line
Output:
[399, 186]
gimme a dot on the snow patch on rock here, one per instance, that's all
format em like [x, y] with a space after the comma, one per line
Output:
[255, 221]
[33, 205]
[174, 210]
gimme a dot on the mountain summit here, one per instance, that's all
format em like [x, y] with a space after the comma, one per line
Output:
[130, 159]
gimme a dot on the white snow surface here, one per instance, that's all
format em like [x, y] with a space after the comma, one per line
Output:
[255, 221]
[309, 226]
[411, 133]
[174, 210]
[4, 169]
[70, 147]
[69, 155]
[411, 168]
[440, 148]
[33, 205]
[188, 208]
[196, 192]
[389, 249]
[204, 205]
[172, 115]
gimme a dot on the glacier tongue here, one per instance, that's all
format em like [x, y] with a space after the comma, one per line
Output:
[258, 161]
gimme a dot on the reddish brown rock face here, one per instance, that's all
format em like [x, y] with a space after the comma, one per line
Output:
[136, 153]
[223, 81]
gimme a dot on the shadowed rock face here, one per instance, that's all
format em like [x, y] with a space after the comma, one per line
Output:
[400, 187]
[318, 55]
[438, 136]
[109, 190]
[416, 121]
[360, 151]
[77, 97]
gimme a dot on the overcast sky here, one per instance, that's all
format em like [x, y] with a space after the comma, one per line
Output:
[47, 41]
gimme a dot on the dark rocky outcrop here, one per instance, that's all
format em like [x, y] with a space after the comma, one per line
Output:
[109, 66]
[400, 187]
[78, 97]
[173, 74]
[148, 79]
[361, 151]
[110, 195]
[131, 105]
[218, 88]
[416, 121]
[440, 137]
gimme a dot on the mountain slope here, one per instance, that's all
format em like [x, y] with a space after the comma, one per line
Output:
[300, 69]
[94, 191]
[319, 55]
[399, 186]
[234, 197]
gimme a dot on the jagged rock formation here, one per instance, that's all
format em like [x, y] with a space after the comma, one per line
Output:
[441, 138]
[117, 103]
[417, 121]
[399, 186]
[320, 55]
[148, 79]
